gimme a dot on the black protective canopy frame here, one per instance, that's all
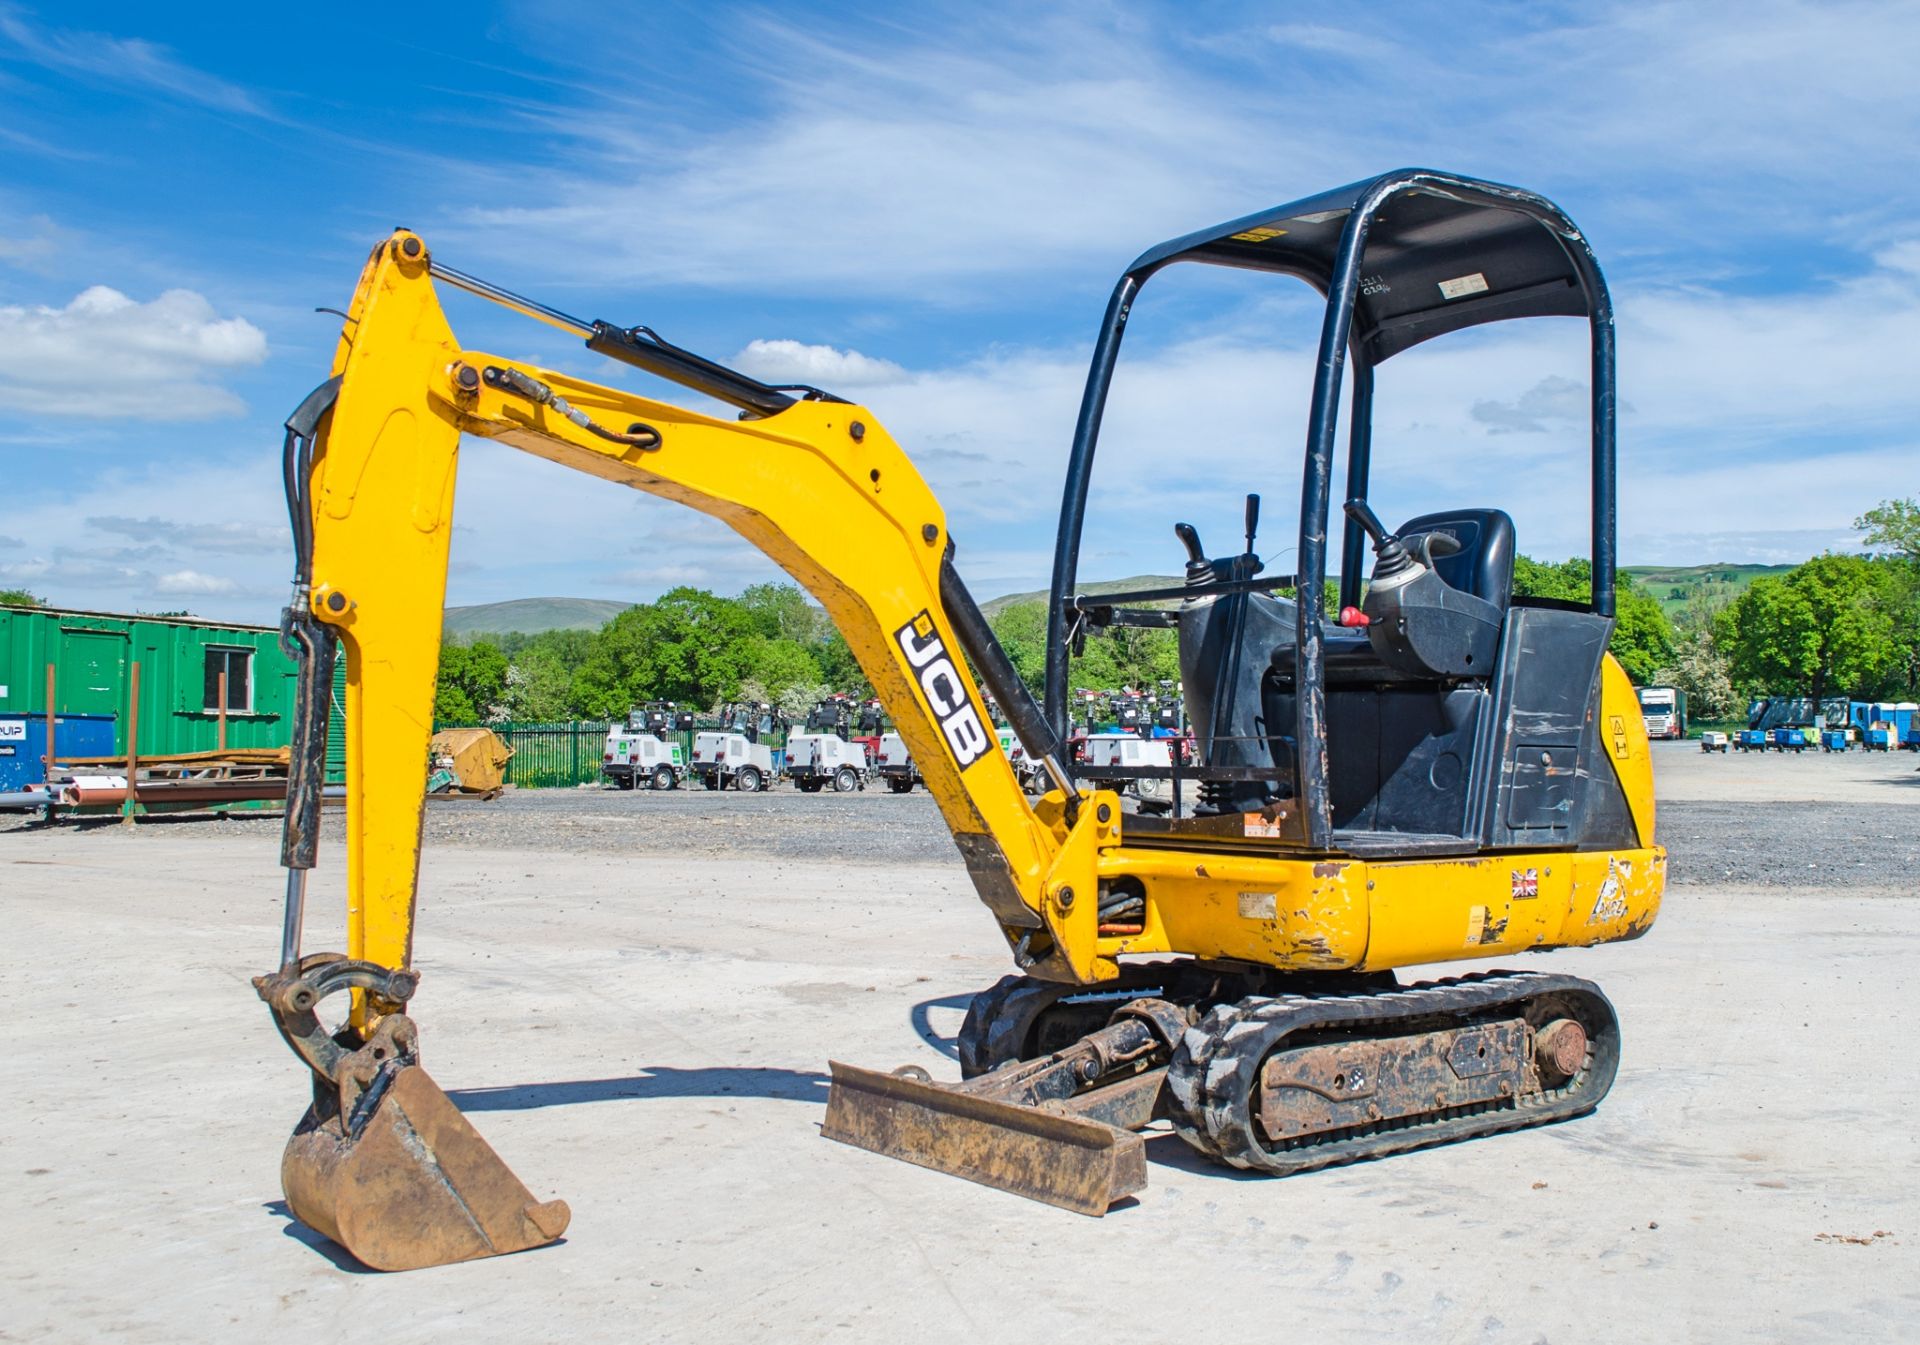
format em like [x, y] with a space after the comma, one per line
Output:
[1401, 258]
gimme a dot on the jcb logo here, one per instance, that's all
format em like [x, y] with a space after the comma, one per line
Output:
[946, 694]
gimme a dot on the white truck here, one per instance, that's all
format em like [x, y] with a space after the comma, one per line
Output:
[635, 759]
[1033, 780]
[721, 759]
[1128, 750]
[1665, 710]
[896, 765]
[817, 760]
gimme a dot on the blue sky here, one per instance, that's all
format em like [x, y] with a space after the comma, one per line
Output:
[924, 209]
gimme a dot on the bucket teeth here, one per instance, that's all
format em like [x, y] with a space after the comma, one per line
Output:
[1073, 1163]
[409, 1183]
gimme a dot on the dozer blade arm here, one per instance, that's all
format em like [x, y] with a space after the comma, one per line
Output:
[815, 483]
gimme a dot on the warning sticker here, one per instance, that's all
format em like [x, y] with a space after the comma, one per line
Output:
[1259, 906]
[1461, 286]
[1259, 824]
[1610, 903]
[1263, 234]
[1484, 927]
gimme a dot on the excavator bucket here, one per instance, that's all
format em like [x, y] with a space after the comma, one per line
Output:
[383, 1162]
[1038, 1152]
[404, 1181]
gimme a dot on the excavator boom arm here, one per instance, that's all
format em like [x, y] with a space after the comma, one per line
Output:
[818, 486]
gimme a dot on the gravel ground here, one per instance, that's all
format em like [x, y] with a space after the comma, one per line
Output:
[634, 996]
[1847, 822]
[647, 1038]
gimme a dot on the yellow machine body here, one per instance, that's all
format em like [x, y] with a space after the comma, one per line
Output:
[847, 515]
[824, 490]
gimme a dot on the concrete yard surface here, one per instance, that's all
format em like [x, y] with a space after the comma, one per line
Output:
[646, 1035]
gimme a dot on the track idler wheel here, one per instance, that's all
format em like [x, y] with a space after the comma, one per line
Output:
[383, 1163]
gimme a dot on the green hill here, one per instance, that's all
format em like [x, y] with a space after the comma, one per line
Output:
[1675, 585]
[530, 616]
[1095, 588]
[1672, 585]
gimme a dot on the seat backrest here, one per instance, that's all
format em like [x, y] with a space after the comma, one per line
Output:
[1483, 566]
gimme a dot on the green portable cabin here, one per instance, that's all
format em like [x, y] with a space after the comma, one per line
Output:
[181, 660]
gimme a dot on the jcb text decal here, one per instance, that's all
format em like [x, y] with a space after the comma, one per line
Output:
[946, 694]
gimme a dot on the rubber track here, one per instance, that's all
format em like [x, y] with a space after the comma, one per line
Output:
[1215, 1070]
[1001, 1018]
[983, 1042]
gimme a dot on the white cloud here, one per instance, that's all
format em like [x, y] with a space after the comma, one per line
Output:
[787, 362]
[34, 245]
[125, 63]
[192, 582]
[899, 159]
[959, 148]
[66, 557]
[106, 356]
[1553, 398]
[204, 535]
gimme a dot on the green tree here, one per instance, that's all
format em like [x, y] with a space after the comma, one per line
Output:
[571, 647]
[1700, 666]
[1126, 656]
[1892, 526]
[1642, 635]
[472, 682]
[1824, 628]
[784, 612]
[839, 669]
[1021, 628]
[779, 664]
[1114, 656]
[19, 597]
[1703, 672]
[1900, 595]
[690, 646]
[539, 687]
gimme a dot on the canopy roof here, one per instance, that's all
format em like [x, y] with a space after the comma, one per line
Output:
[1442, 253]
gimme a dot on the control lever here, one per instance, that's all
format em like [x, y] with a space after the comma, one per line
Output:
[1362, 513]
[1390, 557]
[1190, 538]
[1253, 520]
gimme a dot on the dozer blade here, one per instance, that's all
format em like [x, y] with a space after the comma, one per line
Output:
[1076, 1164]
[405, 1181]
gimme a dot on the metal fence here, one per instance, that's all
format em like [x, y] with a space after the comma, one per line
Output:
[550, 756]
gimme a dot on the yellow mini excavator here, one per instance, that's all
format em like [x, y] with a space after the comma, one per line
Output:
[1432, 769]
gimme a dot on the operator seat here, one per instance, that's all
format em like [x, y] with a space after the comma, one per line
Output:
[1483, 566]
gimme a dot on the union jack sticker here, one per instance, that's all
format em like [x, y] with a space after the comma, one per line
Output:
[1526, 883]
